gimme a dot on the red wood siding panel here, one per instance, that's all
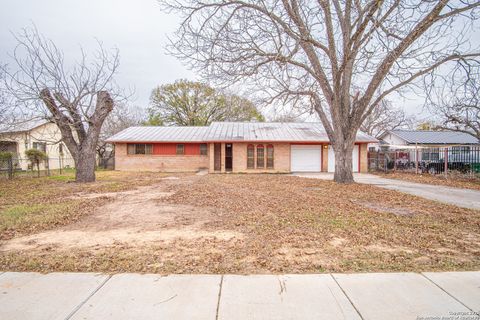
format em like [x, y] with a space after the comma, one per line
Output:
[191, 149]
[165, 148]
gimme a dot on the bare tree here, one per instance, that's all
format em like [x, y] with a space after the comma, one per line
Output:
[344, 57]
[121, 117]
[385, 117]
[457, 104]
[6, 116]
[286, 117]
[76, 96]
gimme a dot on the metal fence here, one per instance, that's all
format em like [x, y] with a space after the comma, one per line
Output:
[463, 160]
[20, 167]
[107, 163]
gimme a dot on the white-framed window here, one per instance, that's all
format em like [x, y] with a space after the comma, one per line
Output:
[139, 148]
[180, 149]
[203, 149]
[41, 146]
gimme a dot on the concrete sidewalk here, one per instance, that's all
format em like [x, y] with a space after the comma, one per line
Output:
[460, 197]
[451, 295]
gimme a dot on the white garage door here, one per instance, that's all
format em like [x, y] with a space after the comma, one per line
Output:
[331, 159]
[306, 158]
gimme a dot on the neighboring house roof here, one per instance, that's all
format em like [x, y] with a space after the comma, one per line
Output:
[22, 126]
[232, 131]
[434, 137]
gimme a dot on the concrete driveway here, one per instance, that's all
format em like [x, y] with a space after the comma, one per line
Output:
[445, 295]
[460, 197]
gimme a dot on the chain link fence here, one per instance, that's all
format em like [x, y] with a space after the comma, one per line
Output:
[458, 160]
[22, 167]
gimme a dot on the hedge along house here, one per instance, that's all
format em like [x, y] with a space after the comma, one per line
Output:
[233, 147]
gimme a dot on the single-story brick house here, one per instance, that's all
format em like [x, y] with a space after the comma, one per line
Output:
[233, 147]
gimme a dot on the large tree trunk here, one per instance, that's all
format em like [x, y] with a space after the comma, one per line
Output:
[343, 161]
[85, 166]
[80, 141]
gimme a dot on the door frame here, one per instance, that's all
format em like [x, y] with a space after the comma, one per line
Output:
[229, 157]
[217, 157]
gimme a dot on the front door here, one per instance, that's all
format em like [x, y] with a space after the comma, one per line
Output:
[217, 156]
[228, 157]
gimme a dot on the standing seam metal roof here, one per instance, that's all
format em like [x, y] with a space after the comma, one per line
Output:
[434, 137]
[232, 131]
[155, 134]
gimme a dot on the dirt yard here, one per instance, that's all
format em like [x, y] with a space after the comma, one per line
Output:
[232, 224]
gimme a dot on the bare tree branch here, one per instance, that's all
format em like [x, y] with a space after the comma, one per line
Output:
[76, 96]
[457, 104]
[384, 118]
[342, 57]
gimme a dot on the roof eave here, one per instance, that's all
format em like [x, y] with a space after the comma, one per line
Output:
[234, 141]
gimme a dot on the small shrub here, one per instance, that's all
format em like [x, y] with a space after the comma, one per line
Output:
[36, 157]
[4, 156]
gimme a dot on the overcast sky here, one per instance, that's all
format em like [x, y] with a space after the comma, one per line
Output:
[137, 28]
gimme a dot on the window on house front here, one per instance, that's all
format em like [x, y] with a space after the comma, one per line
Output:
[180, 149]
[269, 156]
[260, 156]
[430, 154]
[42, 146]
[250, 156]
[139, 148]
[460, 150]
[148, 148]
[203, 149]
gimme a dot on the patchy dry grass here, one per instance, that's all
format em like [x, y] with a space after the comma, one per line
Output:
[452, 180]
[274, 223]
[29, 205]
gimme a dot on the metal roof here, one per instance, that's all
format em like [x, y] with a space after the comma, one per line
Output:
[434, 137]
[22, 126]
[232, 131]
[160, 134]
[272, 131]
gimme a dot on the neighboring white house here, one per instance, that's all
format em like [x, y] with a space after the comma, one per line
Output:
[427, 144]
[41, 135]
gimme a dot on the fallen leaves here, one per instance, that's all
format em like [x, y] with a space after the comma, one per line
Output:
[288, 224]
